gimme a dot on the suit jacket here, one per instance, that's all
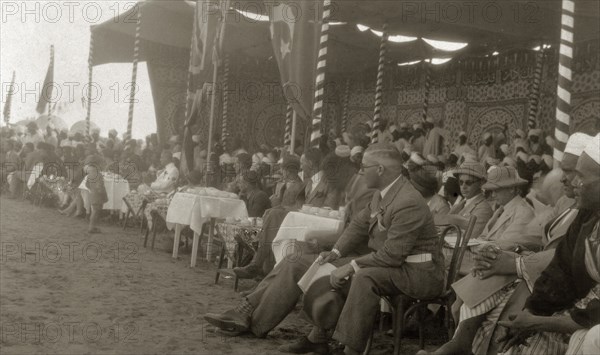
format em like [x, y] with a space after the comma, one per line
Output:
[507, 231]
[391, 229]
[480, 208]
[357, 196]
[325, 194]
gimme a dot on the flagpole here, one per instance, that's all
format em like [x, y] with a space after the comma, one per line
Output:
[220, 35]
[8, 102]
[379, 86]
[89, 89]
[320, 76]
[136, 58]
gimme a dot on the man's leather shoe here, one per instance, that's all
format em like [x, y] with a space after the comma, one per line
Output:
[230, 320]
[247, 272]
[304, 346]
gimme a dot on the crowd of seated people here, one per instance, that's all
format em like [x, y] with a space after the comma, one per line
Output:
[536, 225]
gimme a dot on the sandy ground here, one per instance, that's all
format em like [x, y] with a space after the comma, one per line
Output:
[63, 291]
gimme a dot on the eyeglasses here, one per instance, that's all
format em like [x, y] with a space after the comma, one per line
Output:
[466, 182]
[364, 167]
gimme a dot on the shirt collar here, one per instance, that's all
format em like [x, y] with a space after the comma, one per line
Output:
[316, 179]
[387, 189]
[470, 200]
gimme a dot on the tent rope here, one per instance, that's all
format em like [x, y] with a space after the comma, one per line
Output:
[88, 114]
[379, 86]
[136, 58]
[320, 76]
[563, 100]
[225, 121]
[534, 95]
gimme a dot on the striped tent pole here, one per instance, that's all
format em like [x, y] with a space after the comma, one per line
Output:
[320, 76]
[427, 92]
[225, 120]
[534, 95]
[9, 95]
[345, 107]
[287, 136]
[88, 114]
[379, 86]
[136, 58]
[563, 101]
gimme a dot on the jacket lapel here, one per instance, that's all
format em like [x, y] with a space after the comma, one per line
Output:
[321, 186]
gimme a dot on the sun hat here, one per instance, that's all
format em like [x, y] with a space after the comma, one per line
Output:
[499, 177]
[471, 168]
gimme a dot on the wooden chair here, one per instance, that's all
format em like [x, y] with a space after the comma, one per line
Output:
[136, 214]
[403, 306]
[243, 256]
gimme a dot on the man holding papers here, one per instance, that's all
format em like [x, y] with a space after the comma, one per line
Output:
[390, 247]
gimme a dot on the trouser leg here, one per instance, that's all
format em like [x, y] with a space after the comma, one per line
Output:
[276, 296]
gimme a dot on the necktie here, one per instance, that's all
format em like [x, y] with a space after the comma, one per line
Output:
[495, 217]
[308, 187]
[458, 207]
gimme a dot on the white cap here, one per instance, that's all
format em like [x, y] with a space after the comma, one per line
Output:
[462, 134]
[429, 119]
[177, 155]
[593, 149]
[534, 132]
[342, 151]
[357, 149]
[393, 128]
[417, 158]
[550, 141]
[403, 125]
[196, 138]
[486, 135]
[417, 126]
[432, 159]
[504, 149]
[522, 156]
[520, 133]
[577, 143]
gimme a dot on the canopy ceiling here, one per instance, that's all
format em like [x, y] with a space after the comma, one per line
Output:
[487, 28]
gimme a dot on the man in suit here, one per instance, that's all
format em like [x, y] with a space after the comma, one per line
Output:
[391, 243]
[478, 330]
[315, 191]
[513, 213]
[471, 176]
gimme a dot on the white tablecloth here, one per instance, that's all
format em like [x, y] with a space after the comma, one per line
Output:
[193, 210]
[116, 188]
[294, 228]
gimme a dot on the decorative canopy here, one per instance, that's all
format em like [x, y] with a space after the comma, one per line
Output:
[485, 26]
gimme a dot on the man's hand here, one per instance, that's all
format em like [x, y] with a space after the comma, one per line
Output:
[520, 327]
[340, 276]
[327, 257]
[489, 263]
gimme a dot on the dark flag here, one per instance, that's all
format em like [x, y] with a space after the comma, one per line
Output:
[295, 38]
[206, 21]
[48, 87]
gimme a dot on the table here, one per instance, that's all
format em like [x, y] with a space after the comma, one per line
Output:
[229, 232]
[194, 210]
[294, 228]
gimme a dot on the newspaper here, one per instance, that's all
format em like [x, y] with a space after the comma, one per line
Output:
[315, 272]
